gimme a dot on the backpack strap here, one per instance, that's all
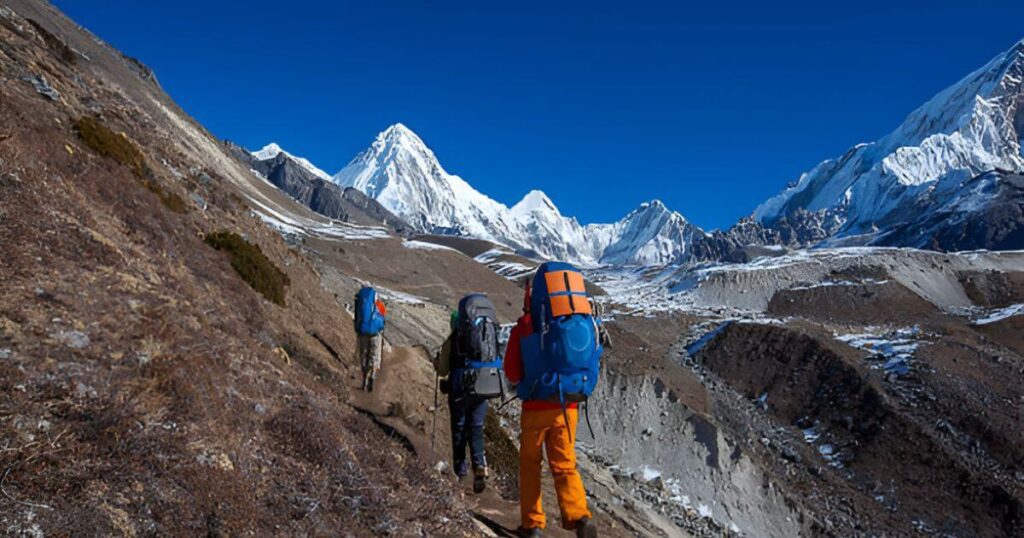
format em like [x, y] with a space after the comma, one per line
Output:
[586, 413]
[565, 414]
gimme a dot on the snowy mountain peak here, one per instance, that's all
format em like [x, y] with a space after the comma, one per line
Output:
[535, 201]
[269, 151]
[399, 130]
[971, 127]
[651, 234]
[398, 139]
[657, 209]
[272, 150]
[653, 205]
[404, 175]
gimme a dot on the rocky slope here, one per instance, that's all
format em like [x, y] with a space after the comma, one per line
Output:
[145, 386]
[308, 185]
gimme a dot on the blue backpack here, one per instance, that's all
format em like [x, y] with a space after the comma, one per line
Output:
[369, 320]
[562, 358]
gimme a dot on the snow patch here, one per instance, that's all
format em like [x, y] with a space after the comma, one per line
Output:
[426, 245]
[272, 150]
[895, 348]
[1001, 314]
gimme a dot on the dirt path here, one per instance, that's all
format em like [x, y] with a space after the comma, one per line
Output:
[401, 406]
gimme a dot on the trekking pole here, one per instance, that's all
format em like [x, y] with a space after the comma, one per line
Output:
[433, 432]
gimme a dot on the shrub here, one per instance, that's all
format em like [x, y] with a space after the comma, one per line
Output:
[110, 144]
[252, 265]
[170, 200]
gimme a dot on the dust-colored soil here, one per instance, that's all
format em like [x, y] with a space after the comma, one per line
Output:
[856, 303]
[994, 289]
[442, 276]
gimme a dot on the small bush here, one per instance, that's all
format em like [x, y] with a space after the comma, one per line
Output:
[252, 265]
[110, 144]
[170, 200]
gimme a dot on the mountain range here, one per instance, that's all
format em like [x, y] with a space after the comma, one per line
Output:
[948, 178]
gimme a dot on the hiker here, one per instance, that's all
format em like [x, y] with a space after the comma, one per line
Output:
[597, 311]
[471, 362]
[553, 357]
[370, 318]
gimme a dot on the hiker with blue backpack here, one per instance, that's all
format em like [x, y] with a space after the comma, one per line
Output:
[553, 356]
[471, 363]
[370, 318]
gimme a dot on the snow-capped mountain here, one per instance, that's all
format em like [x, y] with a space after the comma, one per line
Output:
[551, 234]
[404, 175]
[649, 235]
[930, 162]
[948, 178]
[299, 179]
[272, 150]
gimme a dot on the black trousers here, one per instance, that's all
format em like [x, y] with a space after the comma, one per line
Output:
[467, 421]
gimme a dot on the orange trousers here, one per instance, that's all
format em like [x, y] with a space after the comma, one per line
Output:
[548, 428]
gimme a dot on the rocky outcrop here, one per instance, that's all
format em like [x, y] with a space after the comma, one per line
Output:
[344, 204]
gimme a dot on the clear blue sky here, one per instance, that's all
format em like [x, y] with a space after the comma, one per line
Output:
[710, 108]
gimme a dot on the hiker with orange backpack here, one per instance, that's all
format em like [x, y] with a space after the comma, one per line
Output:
[370, 319]
[553, 357]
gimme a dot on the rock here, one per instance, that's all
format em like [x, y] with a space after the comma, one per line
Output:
[73, 339]
[83, 391]
[5, 354]
[199, 201]
[43, 87]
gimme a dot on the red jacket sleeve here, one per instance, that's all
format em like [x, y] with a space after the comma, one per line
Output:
[381, 308]
[513, 363]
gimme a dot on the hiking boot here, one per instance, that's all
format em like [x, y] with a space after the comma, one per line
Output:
[368, 383]
[461, 469]
[479, 479]
[523, 532]
[586, 528]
